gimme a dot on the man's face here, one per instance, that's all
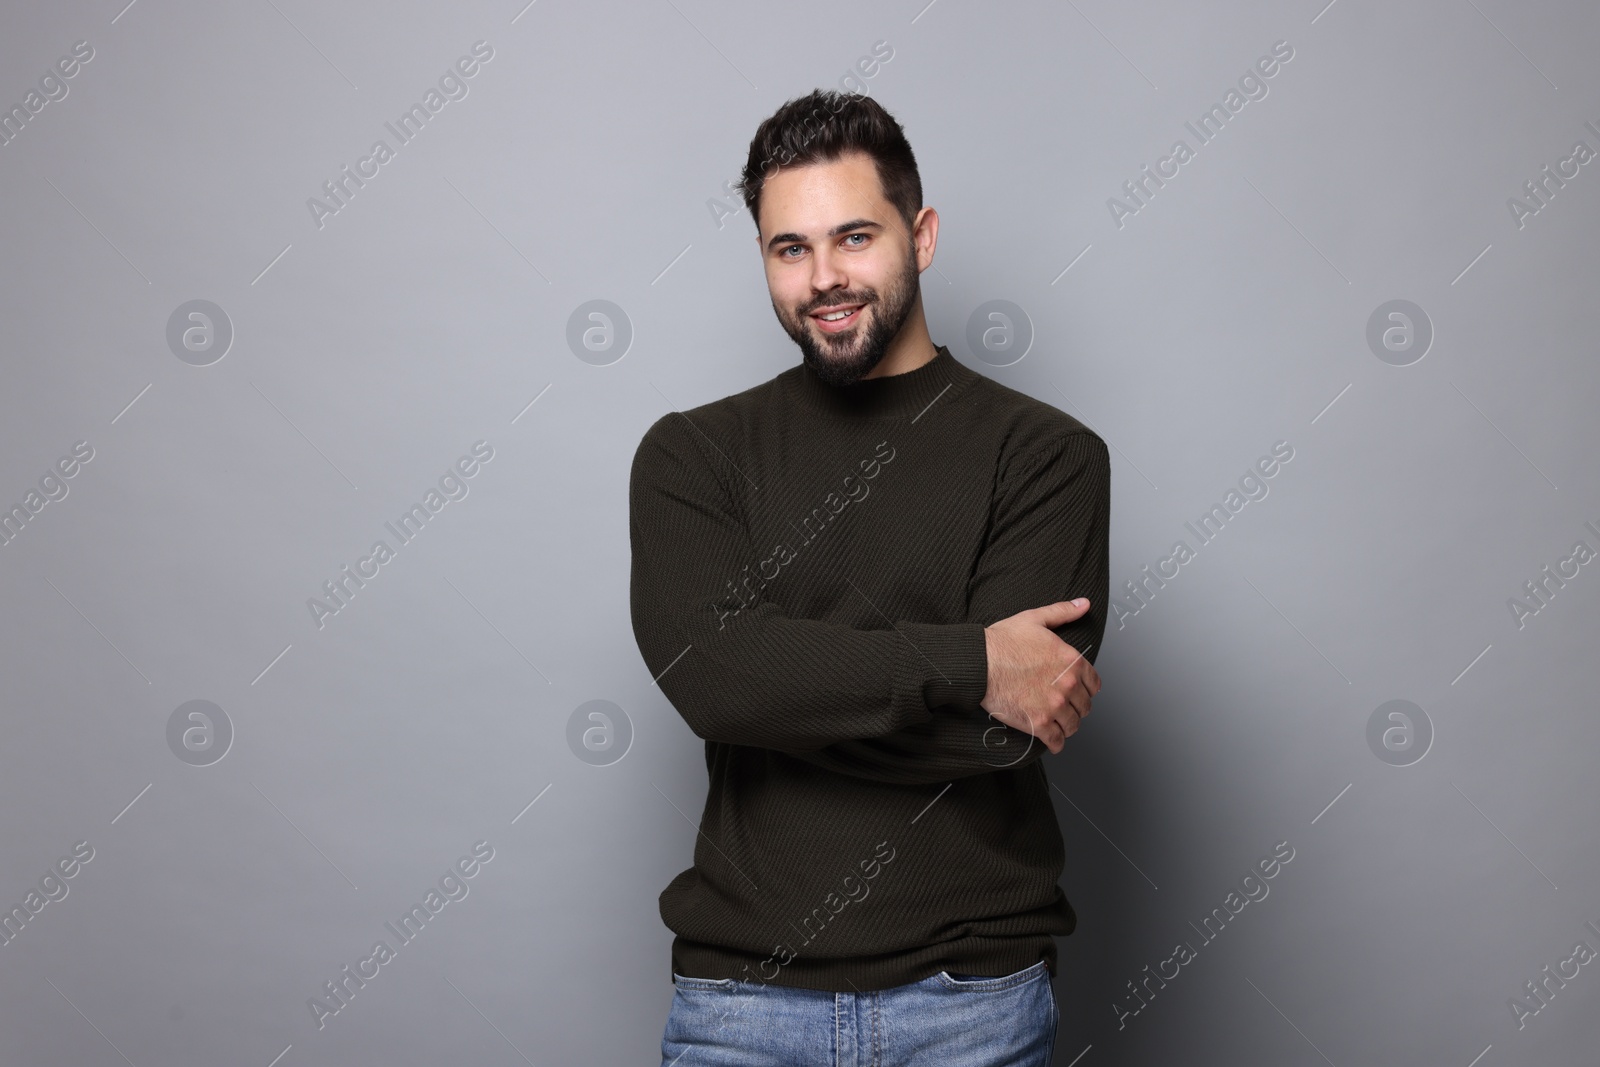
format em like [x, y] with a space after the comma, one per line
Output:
[831, 242]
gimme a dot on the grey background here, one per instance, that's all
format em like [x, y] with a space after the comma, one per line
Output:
[432, 312]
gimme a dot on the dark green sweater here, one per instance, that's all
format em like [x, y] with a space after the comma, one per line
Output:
[812, 571]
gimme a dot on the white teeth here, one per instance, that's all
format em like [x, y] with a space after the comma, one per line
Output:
[836, 315]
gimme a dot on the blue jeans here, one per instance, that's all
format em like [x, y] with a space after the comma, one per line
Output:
[945, 1020]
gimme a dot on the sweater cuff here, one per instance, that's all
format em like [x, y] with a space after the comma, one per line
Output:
[951, 662]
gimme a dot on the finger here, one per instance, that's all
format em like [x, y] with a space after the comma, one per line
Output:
[1074, 673]
[1050, 733]
[1080, 701]
[1061, 611]
[1076, 678]
[1044, 728]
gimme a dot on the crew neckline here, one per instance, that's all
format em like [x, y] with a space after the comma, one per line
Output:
[889, 397]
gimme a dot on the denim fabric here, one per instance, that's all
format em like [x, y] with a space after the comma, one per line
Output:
[948, 1020]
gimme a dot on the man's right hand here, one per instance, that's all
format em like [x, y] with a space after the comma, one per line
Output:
[1038, 683]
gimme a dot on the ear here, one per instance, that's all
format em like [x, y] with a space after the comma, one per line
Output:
[926, 235]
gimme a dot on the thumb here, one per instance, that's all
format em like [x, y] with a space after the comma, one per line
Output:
[1053, 615]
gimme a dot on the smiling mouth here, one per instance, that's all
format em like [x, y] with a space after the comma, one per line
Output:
[837, 318]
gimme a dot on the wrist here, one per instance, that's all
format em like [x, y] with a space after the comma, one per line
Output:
[988, 665]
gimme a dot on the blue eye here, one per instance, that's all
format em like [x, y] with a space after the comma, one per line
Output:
[864, 237]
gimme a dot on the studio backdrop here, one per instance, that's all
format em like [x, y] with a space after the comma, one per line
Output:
[329, 335]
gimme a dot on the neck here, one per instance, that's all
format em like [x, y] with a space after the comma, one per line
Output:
[887, 396]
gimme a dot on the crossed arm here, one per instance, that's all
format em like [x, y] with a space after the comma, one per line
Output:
[894, 705]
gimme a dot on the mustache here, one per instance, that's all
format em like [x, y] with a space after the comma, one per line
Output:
[863, 301]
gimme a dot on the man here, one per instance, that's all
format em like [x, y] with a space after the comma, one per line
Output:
[874, 585]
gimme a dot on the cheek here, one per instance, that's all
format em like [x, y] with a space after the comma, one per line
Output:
[787, 295]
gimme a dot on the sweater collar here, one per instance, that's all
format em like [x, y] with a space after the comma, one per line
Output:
[893, 396]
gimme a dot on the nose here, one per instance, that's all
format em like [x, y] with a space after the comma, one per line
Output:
[826, 271]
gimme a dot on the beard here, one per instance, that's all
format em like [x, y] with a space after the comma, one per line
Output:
[841, 359]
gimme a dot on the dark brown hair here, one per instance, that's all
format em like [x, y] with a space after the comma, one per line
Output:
[819, 128]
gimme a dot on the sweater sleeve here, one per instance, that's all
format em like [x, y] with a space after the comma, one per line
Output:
[1049, 542]
[755, 676]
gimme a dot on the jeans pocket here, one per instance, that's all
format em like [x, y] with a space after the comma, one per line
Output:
[710, 985]
[993, 985]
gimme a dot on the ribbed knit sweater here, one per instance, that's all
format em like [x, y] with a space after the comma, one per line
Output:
[812, 571]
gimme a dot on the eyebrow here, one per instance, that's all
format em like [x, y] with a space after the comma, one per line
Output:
[838, 231]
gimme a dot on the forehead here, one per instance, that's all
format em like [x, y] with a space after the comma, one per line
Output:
[811, 198]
